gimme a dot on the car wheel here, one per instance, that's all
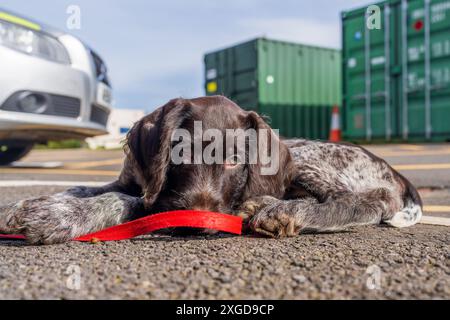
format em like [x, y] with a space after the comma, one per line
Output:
[11, 153]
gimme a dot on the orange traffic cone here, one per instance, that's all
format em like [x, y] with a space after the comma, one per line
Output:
[335, 132]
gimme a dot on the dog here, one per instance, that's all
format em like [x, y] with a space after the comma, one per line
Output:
[319, 186]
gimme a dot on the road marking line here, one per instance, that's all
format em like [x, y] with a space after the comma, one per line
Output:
[37, 165]
[69, 158]
[436, 208]
[71, 155]
[413, 153]
[426, 166]
[108, 173]
[34, 183]
[411, 147]
[91, 164]
[437, 221]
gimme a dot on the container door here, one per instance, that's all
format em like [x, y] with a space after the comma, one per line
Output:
[425, 43]
[232, 72]
[368, 74]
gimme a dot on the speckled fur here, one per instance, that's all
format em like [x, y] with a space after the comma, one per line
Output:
[340, 185]
[320, 186]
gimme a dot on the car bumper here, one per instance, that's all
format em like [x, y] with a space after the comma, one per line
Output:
[22, 126]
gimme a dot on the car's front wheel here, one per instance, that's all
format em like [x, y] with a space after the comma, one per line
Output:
[12, 152]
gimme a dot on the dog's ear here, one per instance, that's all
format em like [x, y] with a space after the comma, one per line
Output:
[149, 145]
[267, 178]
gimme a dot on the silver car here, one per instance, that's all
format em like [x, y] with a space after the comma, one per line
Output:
[52, 87]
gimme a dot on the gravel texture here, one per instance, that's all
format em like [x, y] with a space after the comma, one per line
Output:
[411, 263]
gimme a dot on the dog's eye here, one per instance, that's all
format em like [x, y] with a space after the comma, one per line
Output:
[233, 161]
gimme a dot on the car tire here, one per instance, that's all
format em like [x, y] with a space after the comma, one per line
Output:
[11, 153]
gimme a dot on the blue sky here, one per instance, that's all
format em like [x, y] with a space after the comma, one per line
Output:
[154, 49]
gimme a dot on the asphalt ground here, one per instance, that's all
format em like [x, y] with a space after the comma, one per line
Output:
[364, 262]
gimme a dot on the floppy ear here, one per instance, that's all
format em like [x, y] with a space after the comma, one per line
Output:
[149, 145]
[262, 181]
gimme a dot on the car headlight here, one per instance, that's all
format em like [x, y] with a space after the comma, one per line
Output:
[32, 42]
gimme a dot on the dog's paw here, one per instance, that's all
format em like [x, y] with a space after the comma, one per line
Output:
[38, 232]
[47, 220]
[273, 221]
[247, 210]
[42, 220]
[251, 207]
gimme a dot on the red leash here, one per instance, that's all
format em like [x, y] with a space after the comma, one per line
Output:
[173, 219]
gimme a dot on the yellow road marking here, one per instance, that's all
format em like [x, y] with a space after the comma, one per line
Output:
[426, 166]
[437, 221]
[412, 153]
[436, 208]
[91, 164]
[108, 173]
[411, 147]
[396, 147]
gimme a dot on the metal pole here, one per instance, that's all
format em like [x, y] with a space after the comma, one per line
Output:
[428, 128]
[387, 71]
[405, 68]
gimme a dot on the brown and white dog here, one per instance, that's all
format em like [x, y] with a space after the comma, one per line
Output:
[319, 186]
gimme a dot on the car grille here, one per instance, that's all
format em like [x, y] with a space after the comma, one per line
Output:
[66, 107]
[99, 115]
[53, 105]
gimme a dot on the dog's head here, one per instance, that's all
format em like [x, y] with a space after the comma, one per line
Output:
[206, 154]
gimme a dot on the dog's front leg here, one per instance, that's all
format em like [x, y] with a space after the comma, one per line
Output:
[281, 218]
[64, 216]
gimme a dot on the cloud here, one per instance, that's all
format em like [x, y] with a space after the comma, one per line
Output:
[301, 30]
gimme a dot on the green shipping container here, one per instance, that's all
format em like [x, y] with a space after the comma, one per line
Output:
[396, 79]
[294, 85]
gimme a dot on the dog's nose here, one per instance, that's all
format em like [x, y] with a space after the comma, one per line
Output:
[203, 207]
[204, 201]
